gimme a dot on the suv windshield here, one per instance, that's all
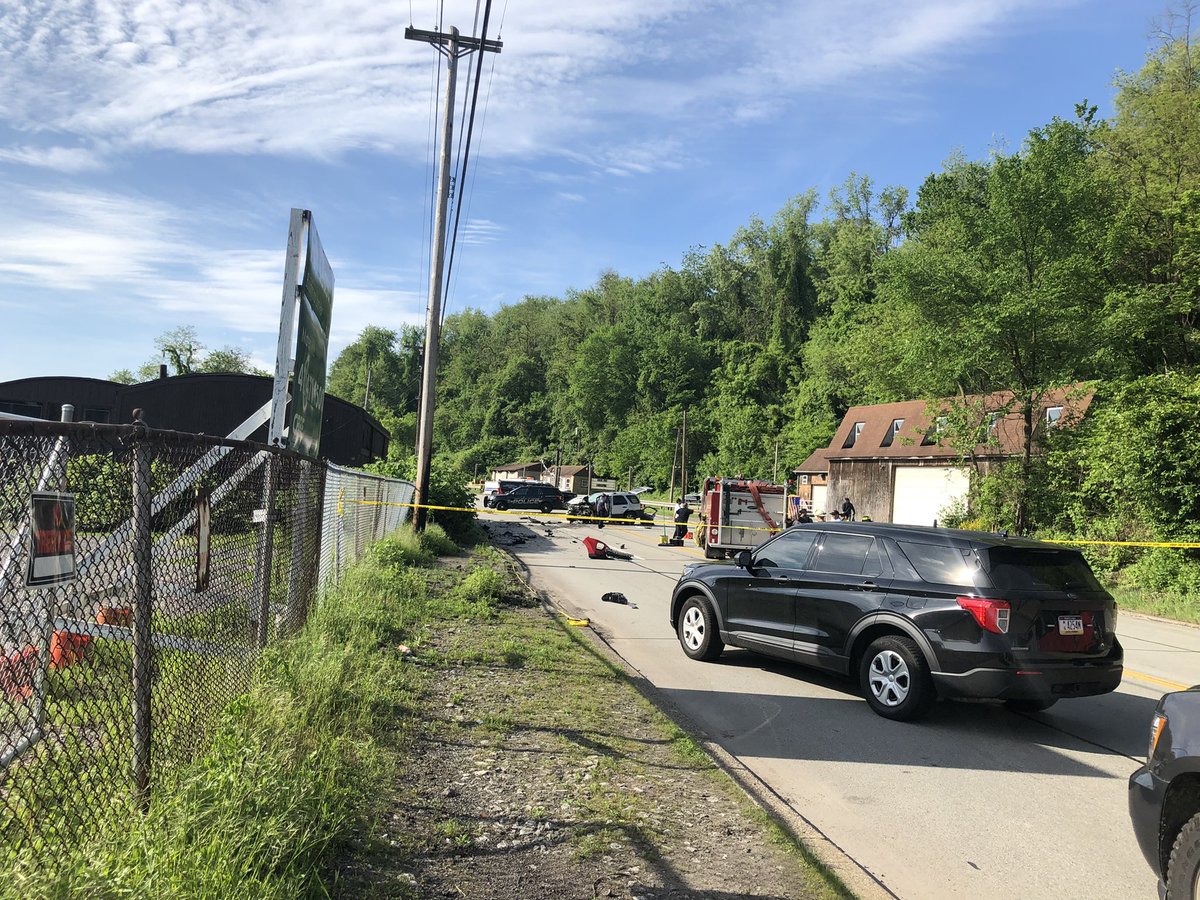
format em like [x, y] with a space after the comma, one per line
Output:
[1029, 569]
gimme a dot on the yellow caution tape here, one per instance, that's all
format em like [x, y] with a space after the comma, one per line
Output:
[1179, 545]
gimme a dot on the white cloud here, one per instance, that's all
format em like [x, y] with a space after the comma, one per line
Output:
[138, 260]
[62, 159]
[480, 231]
[306, 77]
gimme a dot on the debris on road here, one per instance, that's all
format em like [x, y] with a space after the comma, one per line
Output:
[579, 623]
[615, 597]
[597, 549]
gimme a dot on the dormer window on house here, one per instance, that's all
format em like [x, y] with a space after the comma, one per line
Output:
[1053, 414]
[852, 437]
[934, 430]
[892, 431]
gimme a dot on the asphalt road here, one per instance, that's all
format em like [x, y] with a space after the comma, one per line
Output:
[973, 801]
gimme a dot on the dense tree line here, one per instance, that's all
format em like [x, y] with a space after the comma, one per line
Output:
[1073, 258]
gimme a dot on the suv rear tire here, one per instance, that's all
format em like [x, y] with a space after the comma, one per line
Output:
[698, 632]
[895, 680]
[1183, 869]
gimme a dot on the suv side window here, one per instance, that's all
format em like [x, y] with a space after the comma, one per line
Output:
[788, 551]
[843, 554]
[941, 563]
[877, 561]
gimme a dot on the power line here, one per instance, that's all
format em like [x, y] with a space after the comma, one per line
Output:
[487, 12]
[470, 189]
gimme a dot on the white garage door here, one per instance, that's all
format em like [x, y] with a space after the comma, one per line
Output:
[818, 495]
[922, 492]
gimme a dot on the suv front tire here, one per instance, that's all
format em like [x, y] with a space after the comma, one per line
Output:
[699, 634]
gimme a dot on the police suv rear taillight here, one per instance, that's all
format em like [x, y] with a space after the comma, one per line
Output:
[992, 615]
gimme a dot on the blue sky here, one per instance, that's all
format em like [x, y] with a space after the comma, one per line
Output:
[150, 150]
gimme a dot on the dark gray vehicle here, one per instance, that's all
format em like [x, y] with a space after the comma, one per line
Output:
[912, 613]
[1164, 796]
[545, 497]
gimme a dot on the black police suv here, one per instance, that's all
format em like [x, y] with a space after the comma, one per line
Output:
[913, 613]
[1164, 796]
[545, 497]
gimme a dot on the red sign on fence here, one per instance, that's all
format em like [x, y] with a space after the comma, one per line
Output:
[51, 540]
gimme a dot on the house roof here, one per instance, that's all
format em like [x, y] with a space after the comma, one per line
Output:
[570, 471]
[909, 441]
[519, 466]
[817, 462]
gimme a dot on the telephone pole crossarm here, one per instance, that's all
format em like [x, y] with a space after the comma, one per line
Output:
[465, 44]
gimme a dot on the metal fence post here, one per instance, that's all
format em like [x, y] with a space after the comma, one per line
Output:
[143, 650]
[266, 551]
[298, 564]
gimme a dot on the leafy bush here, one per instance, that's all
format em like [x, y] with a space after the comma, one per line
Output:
[448, 486]
[1167, 569]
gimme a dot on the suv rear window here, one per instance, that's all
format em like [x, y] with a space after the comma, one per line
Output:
[941, 563]
[1032, 569]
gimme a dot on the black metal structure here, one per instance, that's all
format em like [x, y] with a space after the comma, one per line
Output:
[199, 404]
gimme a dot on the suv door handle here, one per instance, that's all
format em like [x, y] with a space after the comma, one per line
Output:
[866, 586]
[781, 577]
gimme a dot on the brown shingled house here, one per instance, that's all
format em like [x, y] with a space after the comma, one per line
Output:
[889, 460]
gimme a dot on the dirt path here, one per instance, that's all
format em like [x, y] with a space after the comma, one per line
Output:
[539, 770]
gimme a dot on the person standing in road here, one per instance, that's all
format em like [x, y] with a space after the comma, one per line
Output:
[683, 512]
[847, 510]
[603, 508]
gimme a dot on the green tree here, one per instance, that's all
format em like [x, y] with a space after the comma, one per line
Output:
[1004, 269]
[379, 370]
[1152, 151]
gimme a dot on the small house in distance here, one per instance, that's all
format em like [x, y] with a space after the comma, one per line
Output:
[577, 479]
[891, 459]
[519, 471]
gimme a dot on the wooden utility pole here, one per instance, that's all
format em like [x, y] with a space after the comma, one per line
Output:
[453, 45]
[683, 481]
[674, 466]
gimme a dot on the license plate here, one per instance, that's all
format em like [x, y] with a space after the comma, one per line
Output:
[1070, 625]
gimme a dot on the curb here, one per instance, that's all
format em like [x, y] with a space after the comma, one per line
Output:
[852, 875]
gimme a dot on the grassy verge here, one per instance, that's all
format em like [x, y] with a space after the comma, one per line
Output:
[1168, 605]
[315, 783]
[290, 770]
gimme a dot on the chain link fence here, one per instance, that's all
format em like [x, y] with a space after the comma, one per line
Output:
[359, 509]
[189, 554]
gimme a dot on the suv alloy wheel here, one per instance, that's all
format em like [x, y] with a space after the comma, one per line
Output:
[895, 678]
[698, 631]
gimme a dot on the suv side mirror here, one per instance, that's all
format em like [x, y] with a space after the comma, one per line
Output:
[743, 559]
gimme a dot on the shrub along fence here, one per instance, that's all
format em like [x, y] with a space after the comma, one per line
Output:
[141, 573]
